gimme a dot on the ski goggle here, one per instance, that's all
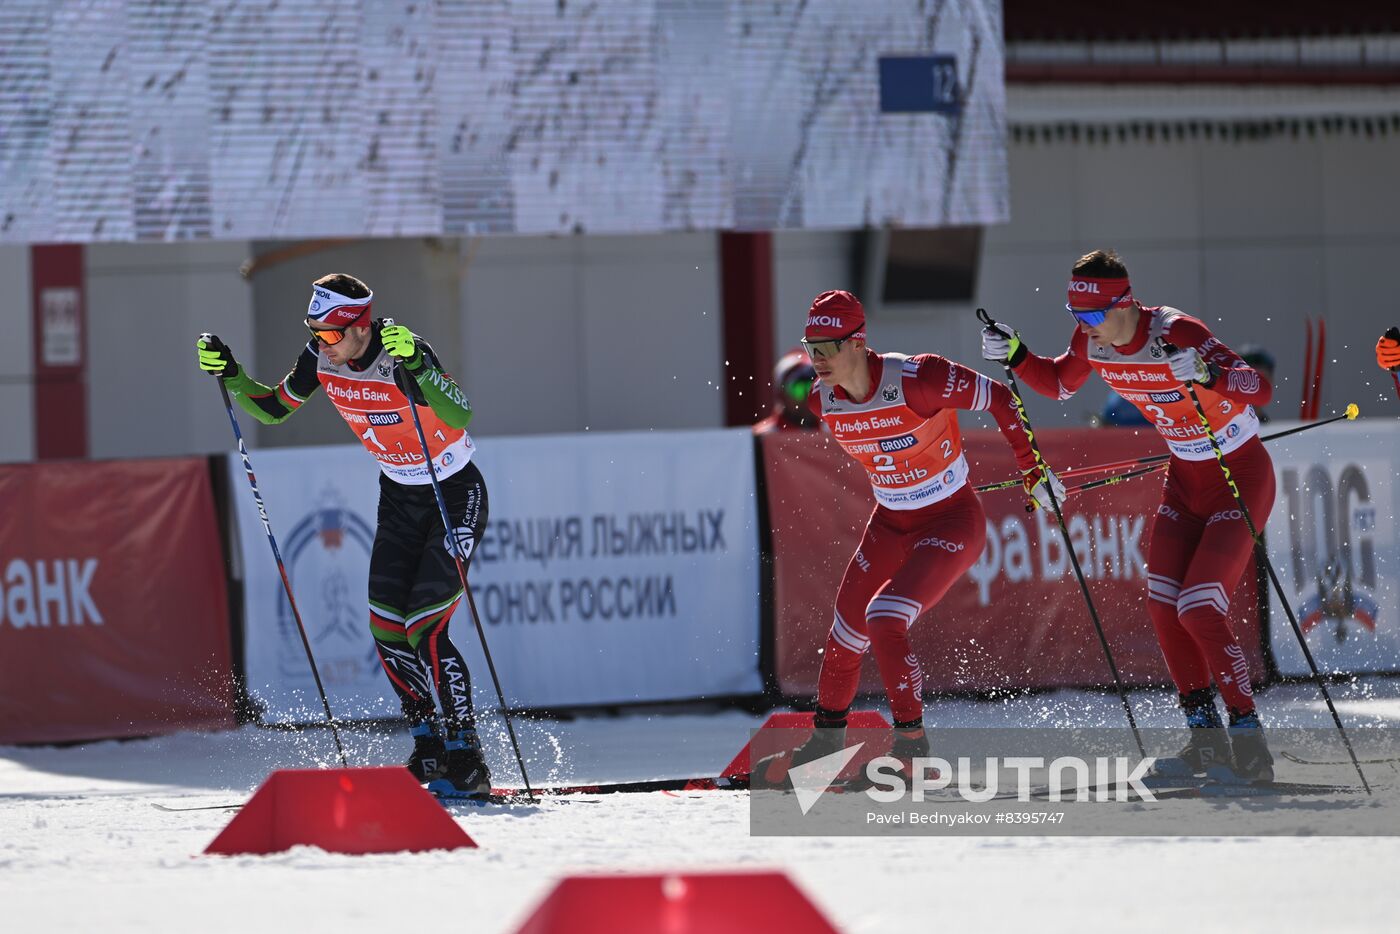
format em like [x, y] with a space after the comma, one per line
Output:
[1094, 317]
[799, 389]
[826, 348]
[327, 337]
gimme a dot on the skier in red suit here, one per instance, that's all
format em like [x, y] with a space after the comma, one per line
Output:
[1200, 543]
[897, 417]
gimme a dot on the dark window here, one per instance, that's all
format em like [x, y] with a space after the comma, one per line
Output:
[934, 265]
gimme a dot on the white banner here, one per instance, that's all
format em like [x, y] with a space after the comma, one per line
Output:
[616, 568]
[1333, 541]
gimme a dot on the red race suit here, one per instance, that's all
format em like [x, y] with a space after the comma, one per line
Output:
[1200, 543]
[928, 527]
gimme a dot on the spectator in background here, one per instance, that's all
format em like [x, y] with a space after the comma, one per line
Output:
[1262, 361]
[792, 382]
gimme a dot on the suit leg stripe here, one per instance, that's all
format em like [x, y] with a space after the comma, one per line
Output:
[848, 637]
[913, 605]
[385, 612]
[1212, 595]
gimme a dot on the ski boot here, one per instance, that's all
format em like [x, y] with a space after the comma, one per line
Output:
[429, 757]
[466, 774]
[828, 736]
[910, 743]
[1207, 746]
[1249, 753]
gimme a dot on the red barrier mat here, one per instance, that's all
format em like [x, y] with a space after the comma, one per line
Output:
[677, 904]
[739, 766]
[369, 810]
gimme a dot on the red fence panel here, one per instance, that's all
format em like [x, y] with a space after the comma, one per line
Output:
[1018, 618]
[113, 607]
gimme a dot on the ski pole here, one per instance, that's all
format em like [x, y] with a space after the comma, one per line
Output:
[1349, 414]
[1115, 479]
[1064, 533]
[281, 565]
[462, 576]
[1263, 554]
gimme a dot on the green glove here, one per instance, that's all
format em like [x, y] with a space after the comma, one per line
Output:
[398, 340]
[214, 357]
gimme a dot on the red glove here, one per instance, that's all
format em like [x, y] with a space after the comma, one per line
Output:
[1388, 352]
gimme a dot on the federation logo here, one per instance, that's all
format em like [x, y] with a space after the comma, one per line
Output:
[1155, 350]
[1232, 431]
[384, 370]
[327, 552]
[948, 477]
[890, 393]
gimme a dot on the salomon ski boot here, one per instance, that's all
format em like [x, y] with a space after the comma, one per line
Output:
[1208, 744]
[1249, 753]
[429, 757]
[466, 774]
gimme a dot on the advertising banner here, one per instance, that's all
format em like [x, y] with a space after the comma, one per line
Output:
[1333, 542]
[113, 609]
[1018, 618]
[615, 568]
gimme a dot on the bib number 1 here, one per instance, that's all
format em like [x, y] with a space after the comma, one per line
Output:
[370, 436]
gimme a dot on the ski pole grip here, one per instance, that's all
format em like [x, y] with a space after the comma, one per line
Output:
[388, 323]
[985, 318]
[1393, 333]
[206, 338]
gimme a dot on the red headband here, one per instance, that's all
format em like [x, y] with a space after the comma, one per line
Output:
[1099, 294]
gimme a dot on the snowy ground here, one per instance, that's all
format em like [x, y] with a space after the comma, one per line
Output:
[82, 848]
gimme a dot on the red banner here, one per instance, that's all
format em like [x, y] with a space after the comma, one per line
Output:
[113, 609]
[1018, 619]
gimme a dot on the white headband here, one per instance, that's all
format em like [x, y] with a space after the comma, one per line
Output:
[336, 310]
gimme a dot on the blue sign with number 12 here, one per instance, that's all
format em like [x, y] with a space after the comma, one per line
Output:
[919, 84]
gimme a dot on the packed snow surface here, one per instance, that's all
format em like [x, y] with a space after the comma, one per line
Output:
[83, 848]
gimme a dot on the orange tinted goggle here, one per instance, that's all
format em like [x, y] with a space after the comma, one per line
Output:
[327, 337]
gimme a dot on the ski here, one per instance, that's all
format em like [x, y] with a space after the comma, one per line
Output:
[732, 783]
[515, 795]
[198, 807]
[1301, 761]
[1209, 788]
[485, 799]
[1214, 789]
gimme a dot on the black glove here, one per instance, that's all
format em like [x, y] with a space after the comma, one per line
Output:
[215, 358]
